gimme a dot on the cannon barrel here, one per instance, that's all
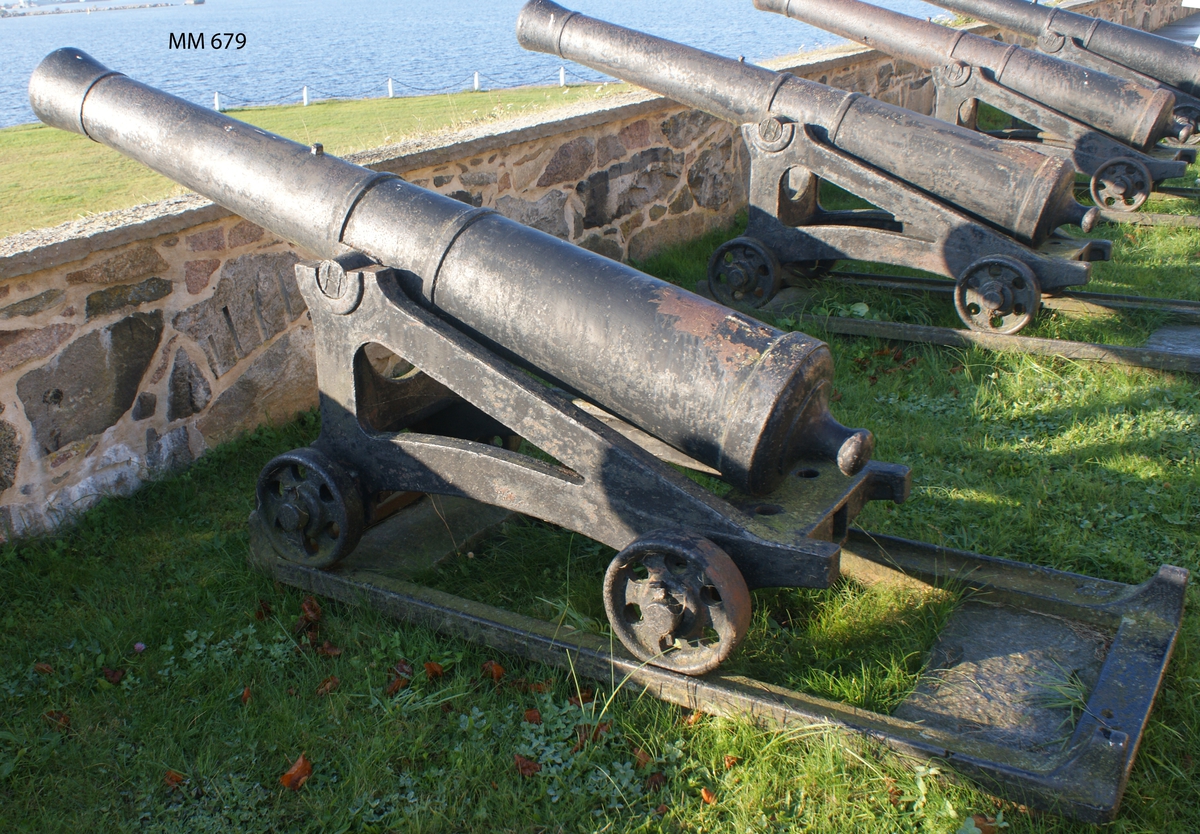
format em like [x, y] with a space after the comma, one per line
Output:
[1016, 189]
[726, 389]
[1172, 63]
[1125, 110]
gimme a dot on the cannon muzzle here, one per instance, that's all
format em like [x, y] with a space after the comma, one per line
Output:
[1159, 58]
[1130, 112]
[744, 398]
[1022, 192]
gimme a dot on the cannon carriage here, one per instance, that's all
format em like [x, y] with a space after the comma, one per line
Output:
[1107, 126]
[507, 338]
[1108, 47]
[982, 212]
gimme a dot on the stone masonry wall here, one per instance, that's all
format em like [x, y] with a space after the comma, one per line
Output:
[131, 342]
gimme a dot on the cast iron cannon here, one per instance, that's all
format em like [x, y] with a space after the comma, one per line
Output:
[479, 314]
[1109, 47]
[464, 296]
[1106, 125]
[950, 201]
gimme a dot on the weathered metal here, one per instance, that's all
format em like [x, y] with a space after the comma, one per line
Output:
[463, 296]
[1105, 125]
[1108, 47]
[948, 198]
[1026, 623]
[741, 397]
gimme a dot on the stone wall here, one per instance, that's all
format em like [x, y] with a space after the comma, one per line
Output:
[131, 342]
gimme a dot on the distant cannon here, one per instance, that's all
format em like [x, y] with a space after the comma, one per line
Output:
[1108, 47]
[1105, 125]
[464, 296]
[952, 201]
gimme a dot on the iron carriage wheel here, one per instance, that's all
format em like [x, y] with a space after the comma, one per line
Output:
[311, 508]
[1121, 184]
[997, 294]
[677, 600]
[744, 271]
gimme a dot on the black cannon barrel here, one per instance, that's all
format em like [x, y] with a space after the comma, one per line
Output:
[1125, 110]
[726, 389]
[1172, 63]
[1018, 190]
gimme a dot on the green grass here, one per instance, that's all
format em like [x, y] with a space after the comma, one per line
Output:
[49, 176]
[1076, 466]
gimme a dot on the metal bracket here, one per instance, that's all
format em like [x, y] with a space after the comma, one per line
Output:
[431, 431]
[910, 229]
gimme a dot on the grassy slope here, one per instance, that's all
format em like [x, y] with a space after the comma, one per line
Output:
[49, 176]
[1076, 466]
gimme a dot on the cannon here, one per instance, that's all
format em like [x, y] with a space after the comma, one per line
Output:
[1106, 126]
[474, 303]
[1108, 47]
[464, 357]
[949, 200]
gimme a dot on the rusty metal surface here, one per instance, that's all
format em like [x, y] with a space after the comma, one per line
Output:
[1133, 113]
[1108, 47]
[741, 397]
[1138, 357]
[1082, 303]
[949, 200]
[1092, 119]
[1083, 777]
[1013, 188]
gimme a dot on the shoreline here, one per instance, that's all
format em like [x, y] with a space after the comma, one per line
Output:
[10, 13]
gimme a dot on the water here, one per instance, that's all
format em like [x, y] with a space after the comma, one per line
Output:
[349, 48]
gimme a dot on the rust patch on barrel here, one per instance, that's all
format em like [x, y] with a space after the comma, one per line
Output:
[735, 340]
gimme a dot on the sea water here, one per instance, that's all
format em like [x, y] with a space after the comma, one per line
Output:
[349, 48]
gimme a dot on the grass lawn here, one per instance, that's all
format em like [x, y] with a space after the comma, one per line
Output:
[49, 176]
[1077, 466]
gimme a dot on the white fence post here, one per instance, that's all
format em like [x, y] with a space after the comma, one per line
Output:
[217, 102]
[391, 93]
[305, 94]
[477, 82]
[562, 76]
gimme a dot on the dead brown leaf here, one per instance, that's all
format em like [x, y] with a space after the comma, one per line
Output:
[661, 809]
[310, 610]
[872, 379]
[297, 774]
[655, 781]
[955, 369]
[58, 720]
[327, 649]
[526, 767]
[403, 668]
[584, 696]
[522, 685]
[986, 825]
[433, 670]
[836, 396]
[245, 695]
[641, 758]
[730, 761]
[113, 676]
[43, 668]
[173, 779]
[533, 716]
[708, 796]
[264, 610]
[493, 670]
[328, 685]
[691, 718]
[398, 683]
